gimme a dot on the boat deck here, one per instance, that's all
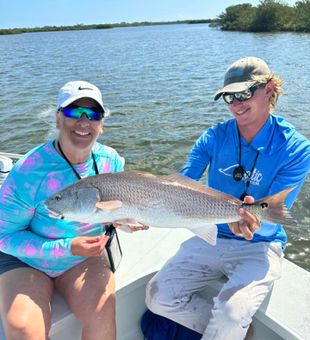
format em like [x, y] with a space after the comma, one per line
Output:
[285, 313]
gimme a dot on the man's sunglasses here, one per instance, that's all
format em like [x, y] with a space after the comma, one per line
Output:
[241, 96]
[76, 112]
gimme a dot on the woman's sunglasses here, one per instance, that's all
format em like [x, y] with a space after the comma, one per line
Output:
[76, 112]
[241, 96]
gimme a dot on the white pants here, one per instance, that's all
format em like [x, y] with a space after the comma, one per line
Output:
[251, 269]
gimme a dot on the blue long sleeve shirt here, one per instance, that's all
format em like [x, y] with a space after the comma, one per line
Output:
[283, 161]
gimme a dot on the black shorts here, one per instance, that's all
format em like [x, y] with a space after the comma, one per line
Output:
[9, 262]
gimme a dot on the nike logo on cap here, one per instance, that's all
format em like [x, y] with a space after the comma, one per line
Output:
[84, 88]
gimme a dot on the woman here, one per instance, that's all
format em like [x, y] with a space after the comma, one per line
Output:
[39, 253]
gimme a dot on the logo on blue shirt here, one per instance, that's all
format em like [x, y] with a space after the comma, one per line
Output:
[255, 178]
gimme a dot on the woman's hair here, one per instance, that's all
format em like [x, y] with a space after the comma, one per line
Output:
[277, 81]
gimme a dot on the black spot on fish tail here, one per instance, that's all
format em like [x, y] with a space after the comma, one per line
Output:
[275, 210]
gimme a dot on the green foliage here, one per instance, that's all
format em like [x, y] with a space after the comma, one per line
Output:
[272, 16]
[302, 16]
[237, 18]
[268, 16]
[54, 28]
[99, 26]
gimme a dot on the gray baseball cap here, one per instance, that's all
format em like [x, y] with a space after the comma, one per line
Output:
[239, 75]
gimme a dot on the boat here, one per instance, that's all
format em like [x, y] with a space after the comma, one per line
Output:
[284, 314]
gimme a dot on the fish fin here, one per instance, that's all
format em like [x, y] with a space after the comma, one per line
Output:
[207, 233]
[109, 205]
[276, 211]
[179, 179]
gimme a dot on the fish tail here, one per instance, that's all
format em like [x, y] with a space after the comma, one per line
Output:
[275, 210]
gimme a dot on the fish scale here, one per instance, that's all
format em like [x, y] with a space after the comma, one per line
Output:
[158, 194]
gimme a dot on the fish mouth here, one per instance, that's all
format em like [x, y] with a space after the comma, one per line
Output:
[55, 214]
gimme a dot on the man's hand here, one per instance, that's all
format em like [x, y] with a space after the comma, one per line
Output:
[248, 225]
[129, 225]
[89, 246]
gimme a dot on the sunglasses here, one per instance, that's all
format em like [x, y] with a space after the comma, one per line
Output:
[76, 112]
[241, 96]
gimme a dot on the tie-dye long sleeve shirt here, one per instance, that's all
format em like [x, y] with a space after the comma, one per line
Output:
[26, 230]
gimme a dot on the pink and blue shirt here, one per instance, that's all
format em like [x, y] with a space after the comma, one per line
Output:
[26, 230]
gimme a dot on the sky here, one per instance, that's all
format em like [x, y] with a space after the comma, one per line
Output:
[38, 13]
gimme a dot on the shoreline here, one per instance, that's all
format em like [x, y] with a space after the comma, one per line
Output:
[81, 27]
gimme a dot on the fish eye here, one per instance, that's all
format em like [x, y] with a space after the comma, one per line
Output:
[58, 197]
[264, 205]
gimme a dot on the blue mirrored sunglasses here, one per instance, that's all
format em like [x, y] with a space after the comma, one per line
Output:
[76, 112]
[241, 96]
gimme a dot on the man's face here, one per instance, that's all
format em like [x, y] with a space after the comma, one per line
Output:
[254, 110]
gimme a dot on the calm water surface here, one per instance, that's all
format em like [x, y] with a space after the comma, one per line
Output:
[158, 83]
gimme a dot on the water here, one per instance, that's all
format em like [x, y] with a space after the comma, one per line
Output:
[158, 83]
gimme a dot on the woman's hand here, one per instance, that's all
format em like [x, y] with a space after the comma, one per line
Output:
[248, 225]
[89, 246]
[129, 225]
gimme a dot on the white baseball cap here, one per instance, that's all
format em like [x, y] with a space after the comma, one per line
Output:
[75, 90]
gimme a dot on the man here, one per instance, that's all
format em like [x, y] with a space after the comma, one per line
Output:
[254, 155]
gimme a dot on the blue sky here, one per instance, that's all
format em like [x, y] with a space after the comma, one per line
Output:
[37, 13]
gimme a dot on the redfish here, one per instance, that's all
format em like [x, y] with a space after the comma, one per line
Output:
[159, 201]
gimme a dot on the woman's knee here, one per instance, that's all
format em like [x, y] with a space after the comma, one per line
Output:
[98, 309]
[26, 323]
[25, 305]
[90, 296]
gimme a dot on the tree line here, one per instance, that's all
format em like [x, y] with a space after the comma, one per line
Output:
[99, 26]
[268, 16]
